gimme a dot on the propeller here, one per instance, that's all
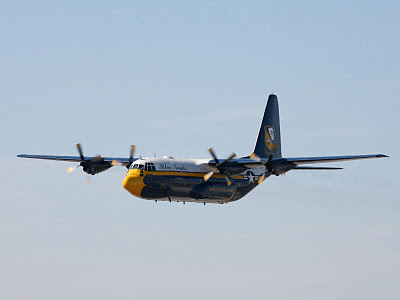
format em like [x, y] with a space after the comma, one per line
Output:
[92, 165]
[131, 154]
[269, 166]
[71, 169]
[221, 167]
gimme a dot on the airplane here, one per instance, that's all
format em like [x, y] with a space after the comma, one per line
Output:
[206, 180]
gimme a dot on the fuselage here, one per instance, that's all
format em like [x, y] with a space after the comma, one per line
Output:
[170, 179]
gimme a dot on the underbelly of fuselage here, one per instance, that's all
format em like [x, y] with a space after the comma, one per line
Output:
[186, 187]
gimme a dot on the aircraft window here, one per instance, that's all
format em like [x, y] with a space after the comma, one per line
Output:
[136, 166]
[149, 167]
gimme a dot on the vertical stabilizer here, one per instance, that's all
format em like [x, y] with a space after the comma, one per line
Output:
[269, 137]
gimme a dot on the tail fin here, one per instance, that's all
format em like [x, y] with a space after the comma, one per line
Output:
[269, 137]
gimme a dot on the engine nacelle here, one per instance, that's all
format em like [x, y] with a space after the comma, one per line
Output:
[93, 168]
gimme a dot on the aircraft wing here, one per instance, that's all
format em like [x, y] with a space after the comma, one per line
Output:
[122, 160]
[282, 165]
[298, 160]
[327, 159]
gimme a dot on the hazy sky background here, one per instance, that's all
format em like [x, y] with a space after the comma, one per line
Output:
[176, 78]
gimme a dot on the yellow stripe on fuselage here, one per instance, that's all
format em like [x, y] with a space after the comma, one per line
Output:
[171, 173]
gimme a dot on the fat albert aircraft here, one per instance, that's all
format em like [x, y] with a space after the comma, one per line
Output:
[205, 180]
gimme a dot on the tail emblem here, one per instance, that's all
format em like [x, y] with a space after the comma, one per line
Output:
[270, 138]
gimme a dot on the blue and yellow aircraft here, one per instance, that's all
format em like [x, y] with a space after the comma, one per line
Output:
[205, 180]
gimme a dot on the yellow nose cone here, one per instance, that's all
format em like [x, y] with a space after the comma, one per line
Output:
[133, 182]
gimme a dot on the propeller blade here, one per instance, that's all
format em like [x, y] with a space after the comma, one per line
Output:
[131, 154]
[79, 147]
[268, 165]
[255, 157]
[263, 177]
[228, 180]
[88, 179]
[232, 156]
[221, 167]
[117, 163]
[208, 175]
[71, 169]
[213, 155]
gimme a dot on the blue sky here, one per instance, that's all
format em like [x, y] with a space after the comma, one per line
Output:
[175, 78]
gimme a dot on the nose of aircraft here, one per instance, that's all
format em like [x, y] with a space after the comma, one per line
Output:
[133, 182]
[126, 183]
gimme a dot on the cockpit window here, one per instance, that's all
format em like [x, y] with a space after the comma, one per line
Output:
[146, 167]
[136, 166]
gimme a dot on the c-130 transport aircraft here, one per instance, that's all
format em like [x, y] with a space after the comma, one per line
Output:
[206, 180]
